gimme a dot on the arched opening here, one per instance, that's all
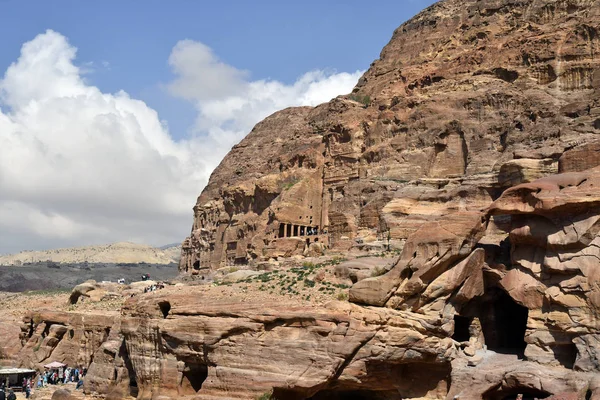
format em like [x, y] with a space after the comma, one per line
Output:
[165, 308]
[395, 381]
[193, 377]
[499, 393]
[356, 395]
[197, 265]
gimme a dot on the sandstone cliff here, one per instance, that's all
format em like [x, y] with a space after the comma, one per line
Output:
[472, 145]
[467, 99]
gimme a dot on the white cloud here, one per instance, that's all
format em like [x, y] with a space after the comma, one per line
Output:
[78, 166]
[229, 104]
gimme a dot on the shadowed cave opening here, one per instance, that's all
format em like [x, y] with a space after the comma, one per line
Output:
[528, 393]
[383, 381]
[124, 354]
[504, 323]
[461, 328]
[165, 308]
[193, 377]
[335, 394]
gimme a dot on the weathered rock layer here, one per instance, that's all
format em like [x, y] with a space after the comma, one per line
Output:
[449, 147]
[467, 99]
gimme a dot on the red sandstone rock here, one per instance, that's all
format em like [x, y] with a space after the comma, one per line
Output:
[488, 299]
[468, 98]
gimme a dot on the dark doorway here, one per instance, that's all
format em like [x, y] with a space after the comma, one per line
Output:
[461, 328]
[356, 395]
[281, 230]
[165, 308]
[124, 354]
[196, 265]
[504, 323]
[499, 393]
[193, 377]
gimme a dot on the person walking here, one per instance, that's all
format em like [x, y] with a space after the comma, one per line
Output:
[2, 394]
[27, 391]
[11, 395]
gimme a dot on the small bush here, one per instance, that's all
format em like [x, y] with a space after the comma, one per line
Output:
[233, 269]
[309, 283]
[342, 296]
[364, 100]
[266, 396]
[378, 271]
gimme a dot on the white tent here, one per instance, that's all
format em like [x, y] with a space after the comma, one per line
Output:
[55, 364]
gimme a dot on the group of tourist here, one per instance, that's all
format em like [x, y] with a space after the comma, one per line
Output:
[154, 287]
[61, 375]
[52, 376]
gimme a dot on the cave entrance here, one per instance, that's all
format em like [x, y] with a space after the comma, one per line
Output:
[499, 393]
[196, 265]
[281, 230]
[504, 323]
[461, 328]
[165, 308]
[336, 394]
[193, 377]
[355, 395]
[386, 381]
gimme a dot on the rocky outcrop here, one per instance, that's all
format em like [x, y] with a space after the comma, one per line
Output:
[449, 148]
[467, 99]
[9, 348]
[70, 338]
[539, 301]
[456, 316]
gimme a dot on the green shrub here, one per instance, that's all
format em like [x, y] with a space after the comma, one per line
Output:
[364, 100]
[378, 271]
[342, 296]
[266, 396]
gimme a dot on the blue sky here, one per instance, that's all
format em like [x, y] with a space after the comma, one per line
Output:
[113, 114]
[271, 39]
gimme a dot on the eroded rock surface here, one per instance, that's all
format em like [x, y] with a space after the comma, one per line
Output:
[449, 148]
[466, 100]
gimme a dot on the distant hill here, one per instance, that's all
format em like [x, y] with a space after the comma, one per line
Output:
[122, 252]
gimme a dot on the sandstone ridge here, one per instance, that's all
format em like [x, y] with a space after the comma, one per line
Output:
[468, 99]
[122, 252]
[471, 148]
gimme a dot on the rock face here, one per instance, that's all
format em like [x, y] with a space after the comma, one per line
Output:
[539, 299]
[466, 100]
[449, 147]
[70, 338]
[456, 316]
